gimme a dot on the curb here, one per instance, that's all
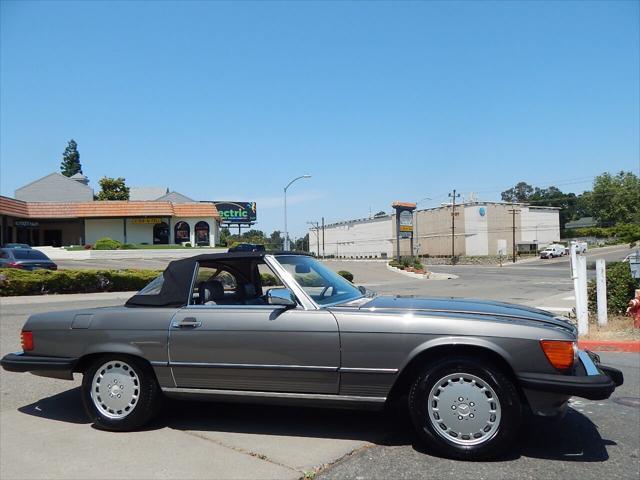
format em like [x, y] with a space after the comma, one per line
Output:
[610, 345]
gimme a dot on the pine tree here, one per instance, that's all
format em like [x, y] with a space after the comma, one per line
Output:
[71, 159]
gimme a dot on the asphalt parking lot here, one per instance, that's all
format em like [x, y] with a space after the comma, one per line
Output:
[44, 433]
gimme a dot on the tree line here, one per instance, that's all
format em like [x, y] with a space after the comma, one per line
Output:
[613, 200]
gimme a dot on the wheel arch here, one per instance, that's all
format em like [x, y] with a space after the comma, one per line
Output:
[97, 351]
[434, 350]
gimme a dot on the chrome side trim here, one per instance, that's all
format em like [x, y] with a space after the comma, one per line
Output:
[368, 370]
[306, 368]
[589, 366]
[252, 393]
[159, 364]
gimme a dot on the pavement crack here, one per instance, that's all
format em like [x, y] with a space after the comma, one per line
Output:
[326, 466]
[242, 450]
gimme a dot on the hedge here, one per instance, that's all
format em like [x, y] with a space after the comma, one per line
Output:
[346, 274]
[19, 282]
[620, 288]
[107, 243]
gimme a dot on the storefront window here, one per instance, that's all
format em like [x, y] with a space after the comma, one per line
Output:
[182, 232]
[202, 233]
[161, 234]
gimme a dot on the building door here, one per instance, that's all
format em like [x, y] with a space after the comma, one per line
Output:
[161, 234]
[53, 238]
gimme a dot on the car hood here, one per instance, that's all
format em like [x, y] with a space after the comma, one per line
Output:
[465, 306]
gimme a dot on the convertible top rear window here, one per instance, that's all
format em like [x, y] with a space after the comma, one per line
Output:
[154, 287]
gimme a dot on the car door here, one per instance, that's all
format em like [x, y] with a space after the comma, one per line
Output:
[256, 348]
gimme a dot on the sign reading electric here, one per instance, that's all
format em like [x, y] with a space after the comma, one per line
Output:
[237, 212]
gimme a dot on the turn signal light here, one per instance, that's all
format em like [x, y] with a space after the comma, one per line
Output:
[560, 353]
[26, 339]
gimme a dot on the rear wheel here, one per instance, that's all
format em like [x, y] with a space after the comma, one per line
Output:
[465, 408]
[120, 393]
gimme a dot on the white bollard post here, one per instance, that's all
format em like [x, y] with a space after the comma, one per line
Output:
[582, 309]
[601, 284]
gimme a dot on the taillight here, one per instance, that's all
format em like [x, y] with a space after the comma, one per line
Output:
[560, 353]
[26, 339]
[15, 265]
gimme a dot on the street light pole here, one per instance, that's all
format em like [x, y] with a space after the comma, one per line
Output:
[286, 232]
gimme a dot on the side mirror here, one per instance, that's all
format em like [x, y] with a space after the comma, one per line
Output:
[362, 290]
[281, 296]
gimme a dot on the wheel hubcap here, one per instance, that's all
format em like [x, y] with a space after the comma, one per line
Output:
[115, 389]
[464, 409]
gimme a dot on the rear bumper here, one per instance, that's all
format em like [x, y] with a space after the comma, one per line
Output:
[591, 380]
[57, 367]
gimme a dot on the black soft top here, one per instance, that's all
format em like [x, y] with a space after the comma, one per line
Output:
[178, 276]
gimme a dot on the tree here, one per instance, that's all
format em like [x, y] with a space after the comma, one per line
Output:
[302, 244]
[554, 197]
[70, 164]
[113, 189]
[224, 236]
[381, 213]
[615, 199]
[276, 241]
[520, 193]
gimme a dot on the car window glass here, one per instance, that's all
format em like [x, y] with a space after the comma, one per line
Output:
[214, 274]
[268, 279]
[24, 254]
[4, 255]
[154, 287]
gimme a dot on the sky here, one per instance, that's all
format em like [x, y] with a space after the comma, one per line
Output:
[377, 101]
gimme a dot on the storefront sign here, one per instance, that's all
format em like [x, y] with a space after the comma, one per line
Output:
[26, 223]
[236, 212]
[146, 221]
[406, 221]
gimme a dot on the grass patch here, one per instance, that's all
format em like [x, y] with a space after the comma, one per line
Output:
[619, 327]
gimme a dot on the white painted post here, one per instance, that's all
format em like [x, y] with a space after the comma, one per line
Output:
[601, 284]
[580, 294]
[582, 309]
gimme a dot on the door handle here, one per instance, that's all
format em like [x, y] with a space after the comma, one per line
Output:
[187, 322]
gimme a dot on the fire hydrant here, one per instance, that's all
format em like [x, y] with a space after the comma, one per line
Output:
[634, 309]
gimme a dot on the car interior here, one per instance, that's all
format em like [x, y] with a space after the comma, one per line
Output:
[238, 282]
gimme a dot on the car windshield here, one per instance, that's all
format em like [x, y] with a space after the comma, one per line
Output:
[323, 285]
[28, 254]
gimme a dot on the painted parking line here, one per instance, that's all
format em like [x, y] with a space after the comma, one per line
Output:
[556, 309]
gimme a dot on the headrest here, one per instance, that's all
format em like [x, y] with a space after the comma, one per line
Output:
[212, 290]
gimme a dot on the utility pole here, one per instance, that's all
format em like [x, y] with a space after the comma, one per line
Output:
[317, 229]
[513, 213]
[322, 238]
[453, 197]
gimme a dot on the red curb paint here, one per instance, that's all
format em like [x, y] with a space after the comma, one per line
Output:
[610, 346]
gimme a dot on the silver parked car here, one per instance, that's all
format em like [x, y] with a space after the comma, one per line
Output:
[283, 328]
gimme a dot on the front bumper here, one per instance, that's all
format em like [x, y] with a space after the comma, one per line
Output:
[56, 367]
[591, 380]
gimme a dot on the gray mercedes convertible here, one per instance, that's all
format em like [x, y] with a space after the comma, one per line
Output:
[283, 328]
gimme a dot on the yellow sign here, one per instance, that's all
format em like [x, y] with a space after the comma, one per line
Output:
[406, 228]
[146, 221]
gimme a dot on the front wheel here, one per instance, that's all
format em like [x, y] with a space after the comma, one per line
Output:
[465, 408]
[120, 393]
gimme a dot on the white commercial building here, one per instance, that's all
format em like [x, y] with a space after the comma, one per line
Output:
[481, 228]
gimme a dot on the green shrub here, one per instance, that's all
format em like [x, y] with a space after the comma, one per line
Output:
[128, 246]
[19, 282]
[107, 243]
[620, 288]
[346, 274]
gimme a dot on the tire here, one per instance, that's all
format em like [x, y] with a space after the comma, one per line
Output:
[120, 393]
[474, 419]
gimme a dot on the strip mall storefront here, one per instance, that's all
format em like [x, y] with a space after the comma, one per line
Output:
[81, 223]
